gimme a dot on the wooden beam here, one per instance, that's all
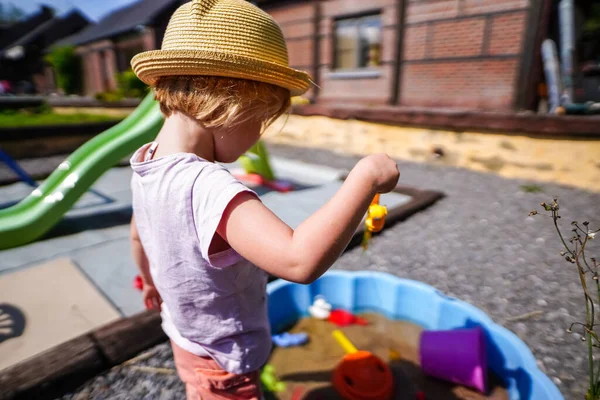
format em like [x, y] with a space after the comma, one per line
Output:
[396, 81]
[534, 125]
[530, 54]
[120, 341]
[65, 367]
[316, 47]
[52, 372]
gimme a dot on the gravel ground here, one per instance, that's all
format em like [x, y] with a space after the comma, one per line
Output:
[477, 244]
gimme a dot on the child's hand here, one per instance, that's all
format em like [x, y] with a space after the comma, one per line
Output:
[151, 297]
[383, 170]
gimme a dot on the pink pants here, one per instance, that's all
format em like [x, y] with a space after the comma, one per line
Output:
[205, 380]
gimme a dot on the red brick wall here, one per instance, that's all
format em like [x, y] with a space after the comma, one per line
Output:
[92, 74]
[476, 84]
[506, 35]
[462, 53]
[297, 22]
[101, 64]
[110, 65]
[368, 90]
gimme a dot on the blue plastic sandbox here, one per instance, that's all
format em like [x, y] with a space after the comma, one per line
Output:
[403, 299]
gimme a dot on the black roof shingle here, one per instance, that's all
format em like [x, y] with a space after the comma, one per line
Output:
[121, 21]
[12, 32]
[46, 34]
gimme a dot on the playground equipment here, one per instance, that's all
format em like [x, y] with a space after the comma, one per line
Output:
[270, 381]
[361, 375]
[457, 356]
[256, 161]
[374, 221]
[45, 206]
[287, 339]
[320, 309]
[21, 173]
[257, 168]
[402, 299]
[344, 318]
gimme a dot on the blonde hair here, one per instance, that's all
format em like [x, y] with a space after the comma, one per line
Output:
[221, 102]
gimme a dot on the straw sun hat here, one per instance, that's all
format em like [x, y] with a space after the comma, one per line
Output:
[229, 38]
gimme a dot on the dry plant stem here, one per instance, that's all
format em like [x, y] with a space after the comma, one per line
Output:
[589, 304]
[576, 255]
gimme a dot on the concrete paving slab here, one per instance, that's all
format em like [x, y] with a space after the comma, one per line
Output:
[42, 250]
[58, 303]
[111, 267]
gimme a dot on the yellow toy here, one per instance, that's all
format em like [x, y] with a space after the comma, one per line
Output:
[375, 220]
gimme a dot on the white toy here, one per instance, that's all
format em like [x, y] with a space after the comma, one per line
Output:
[320, 309]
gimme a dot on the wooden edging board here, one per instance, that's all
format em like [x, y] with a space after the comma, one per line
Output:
[70, 364]
[533, 125]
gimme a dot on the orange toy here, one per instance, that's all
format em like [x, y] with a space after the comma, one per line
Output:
[361, 375]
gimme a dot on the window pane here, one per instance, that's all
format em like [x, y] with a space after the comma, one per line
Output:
[370, 41]
[346, 41]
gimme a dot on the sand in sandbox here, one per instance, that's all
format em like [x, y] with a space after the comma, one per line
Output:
[308, 368]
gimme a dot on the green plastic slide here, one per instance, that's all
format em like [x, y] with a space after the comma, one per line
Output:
[256, 161]
[45, 206]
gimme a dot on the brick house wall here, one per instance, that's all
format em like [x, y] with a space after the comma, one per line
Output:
[298, 24]
[434, 53]
[102, 60]
[308, 27]
[370, 88]
[463, 53]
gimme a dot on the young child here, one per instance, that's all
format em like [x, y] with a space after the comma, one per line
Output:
[205, 243]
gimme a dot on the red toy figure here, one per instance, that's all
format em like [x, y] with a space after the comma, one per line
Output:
[344, 318]
[138, 283]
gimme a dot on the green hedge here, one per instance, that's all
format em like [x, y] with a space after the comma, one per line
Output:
[130, 86]
[67, 65]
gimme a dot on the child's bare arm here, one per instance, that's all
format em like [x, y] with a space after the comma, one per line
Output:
[306, 253]
[139, 255]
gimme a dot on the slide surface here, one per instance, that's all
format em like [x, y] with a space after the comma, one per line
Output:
[45, 206]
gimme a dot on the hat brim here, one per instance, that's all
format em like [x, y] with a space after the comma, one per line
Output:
[151, 65]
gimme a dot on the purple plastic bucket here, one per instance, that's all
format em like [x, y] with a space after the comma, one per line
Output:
[456, 356]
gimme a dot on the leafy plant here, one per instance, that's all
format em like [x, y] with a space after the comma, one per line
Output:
[67, 65]
[25, 118]
[587, 269]
[130, 85]
[592, 22]
[43, 108]
[532, 188]
[109, 97]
